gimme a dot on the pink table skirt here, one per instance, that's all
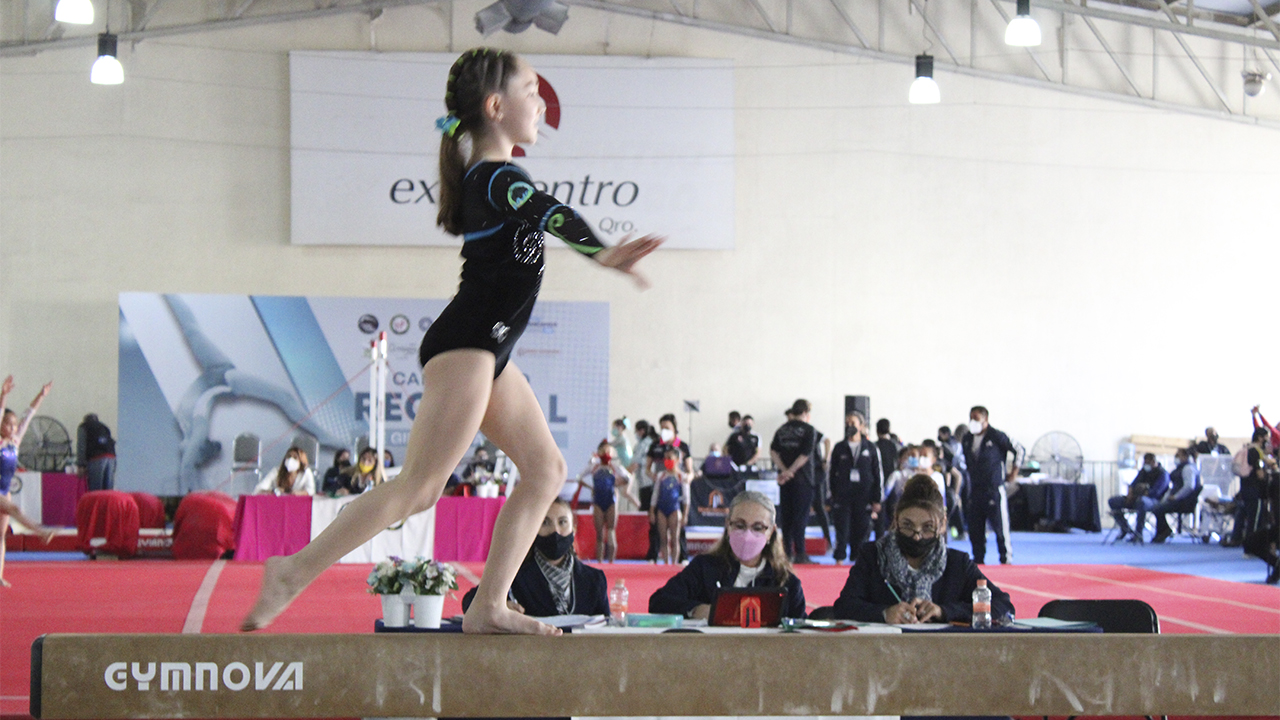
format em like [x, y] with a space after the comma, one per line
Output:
[59, 495]
[267, 525]
[464, 527]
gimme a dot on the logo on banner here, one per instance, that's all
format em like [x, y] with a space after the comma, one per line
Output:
[400, 324]
[368, 324]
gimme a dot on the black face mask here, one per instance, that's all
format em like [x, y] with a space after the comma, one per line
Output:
[913, 548]
[553, 546]
[850, 432]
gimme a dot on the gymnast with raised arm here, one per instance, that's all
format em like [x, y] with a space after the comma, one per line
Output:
[469, 385]
[11, 431]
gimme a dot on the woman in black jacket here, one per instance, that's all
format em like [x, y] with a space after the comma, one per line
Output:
[909, 575]
[749, 554]
[552, 580]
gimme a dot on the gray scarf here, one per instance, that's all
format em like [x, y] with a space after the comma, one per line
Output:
[559, 579]
[908, 582]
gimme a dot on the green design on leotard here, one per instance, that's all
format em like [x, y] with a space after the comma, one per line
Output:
[555, 222]
[518, 194]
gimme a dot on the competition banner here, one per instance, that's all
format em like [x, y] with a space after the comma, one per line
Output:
[636, 145]
[198, 371]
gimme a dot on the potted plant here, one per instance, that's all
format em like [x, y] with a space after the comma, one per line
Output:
[429, 581]
[386, 581]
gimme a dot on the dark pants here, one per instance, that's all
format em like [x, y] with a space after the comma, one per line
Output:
[102, 473]
[1118, 504]
[796, 498]
[820, 510]
[1161, 511]
[988, 509]
[1248, 515]
[851, 515]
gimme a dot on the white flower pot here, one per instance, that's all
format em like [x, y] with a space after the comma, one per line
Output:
[427, 610]
[395, 613]
[487, 490]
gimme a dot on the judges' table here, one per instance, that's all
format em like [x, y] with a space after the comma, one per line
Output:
[464, 527]
[267, 525]
[1063, 504]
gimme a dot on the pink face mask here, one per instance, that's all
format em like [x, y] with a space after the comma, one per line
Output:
[747, 545]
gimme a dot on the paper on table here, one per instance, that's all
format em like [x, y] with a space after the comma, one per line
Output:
[925, 626]
[566, 621]
[1047, 622]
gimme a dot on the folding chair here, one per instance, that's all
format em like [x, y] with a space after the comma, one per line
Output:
[1210, 520]
[246, 459]
[1113, 616]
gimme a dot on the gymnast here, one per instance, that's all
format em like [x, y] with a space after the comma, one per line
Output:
[609, 480]
[469, 383]
[11, 431]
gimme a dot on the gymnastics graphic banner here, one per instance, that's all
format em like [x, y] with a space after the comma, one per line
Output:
[197, 371]
[635, 144]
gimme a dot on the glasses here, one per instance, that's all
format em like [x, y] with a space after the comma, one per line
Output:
[928, 530]
[759, 528]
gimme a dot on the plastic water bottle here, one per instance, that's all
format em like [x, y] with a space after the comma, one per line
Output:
[982, 606]
[618, 603]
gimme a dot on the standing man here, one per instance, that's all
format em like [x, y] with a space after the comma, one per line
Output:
[889, 448]
[1210, 445]
[792, 452]
[743, 446]
[96, 453]
[986, 454]
[855, 486]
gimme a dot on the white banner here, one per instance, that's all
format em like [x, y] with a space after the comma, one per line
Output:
[634, 144]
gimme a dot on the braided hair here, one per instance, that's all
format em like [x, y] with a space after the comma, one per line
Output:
[476, 75]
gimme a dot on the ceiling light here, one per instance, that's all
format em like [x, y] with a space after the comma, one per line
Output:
[1023, 30]
[924, 90]
[1255, 82]
[106, 69]
[516, 16]
[74, 12]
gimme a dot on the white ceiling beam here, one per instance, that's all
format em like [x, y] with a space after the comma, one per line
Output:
[1102, 40]
[849, 21]
[764, 15]
[1195, 60]
[936, 33]
[1157, 23]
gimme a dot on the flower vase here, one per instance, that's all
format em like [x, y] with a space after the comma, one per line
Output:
[395, 613]
[487, 490]
[427, 610]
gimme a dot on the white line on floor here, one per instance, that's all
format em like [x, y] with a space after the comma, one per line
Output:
[1163, 618]
[200, 603]
[1175, 593]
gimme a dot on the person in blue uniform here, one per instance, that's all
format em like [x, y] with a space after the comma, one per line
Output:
[1150, 484]
[855, 487]
[748, 554]
[792, 453]
[552, 580]
[986, 453]
[669, 493]
[609, 479]
[469, 383]
[12, 430]
[910, 575]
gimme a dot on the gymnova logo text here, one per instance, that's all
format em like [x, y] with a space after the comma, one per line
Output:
[204, 675]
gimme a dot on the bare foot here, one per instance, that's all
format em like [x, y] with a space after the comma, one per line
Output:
[273, 597]
[502, 621]
[46, 534]
[5, 583]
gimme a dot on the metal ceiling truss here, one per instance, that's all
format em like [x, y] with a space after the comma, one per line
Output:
[1224, 39]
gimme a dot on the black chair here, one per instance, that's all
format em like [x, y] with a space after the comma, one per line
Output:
[1113, 616]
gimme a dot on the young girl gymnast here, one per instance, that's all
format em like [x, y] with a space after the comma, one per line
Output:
[469, 383]
[11, 432]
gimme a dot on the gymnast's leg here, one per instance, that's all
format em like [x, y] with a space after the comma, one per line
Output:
[515, 423]
[456, 388]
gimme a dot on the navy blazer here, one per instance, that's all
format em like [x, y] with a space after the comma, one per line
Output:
[866, 594]
[987, 465]
[590, 594]
[866, 460]
[699, 581]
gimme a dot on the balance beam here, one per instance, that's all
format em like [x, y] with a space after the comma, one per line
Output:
[424, 675]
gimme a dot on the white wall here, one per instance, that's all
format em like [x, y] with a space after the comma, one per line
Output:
[1071, 263]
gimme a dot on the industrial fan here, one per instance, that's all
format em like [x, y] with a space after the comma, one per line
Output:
[46, 447]
[1059, 456]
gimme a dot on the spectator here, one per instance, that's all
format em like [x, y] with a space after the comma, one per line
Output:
[748, 554]
[792, 451]
[987, 455]
[292, 477]
[1144, 494]
[1263, 542]
[743, 444]
[609, 478]
[480, 469]
[665, 513]
[551, 581]
[1210, 444]
[716, 465]
[1182, 496]
[366, 473]
[333, 476]
[1261, 422]
[388, 460]
[1253, 485]
[620, 442]
[855, 479]
[910, 576]
[955, 456]
[639, 461]
[821, 483]
[735, 418]
[889, 447]
[96, 453]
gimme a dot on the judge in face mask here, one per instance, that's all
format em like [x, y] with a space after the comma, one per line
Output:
[552, 580]
[292, 477]
[910, 576]
[748, 554]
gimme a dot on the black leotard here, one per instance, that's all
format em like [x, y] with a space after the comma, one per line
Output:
[503, 220]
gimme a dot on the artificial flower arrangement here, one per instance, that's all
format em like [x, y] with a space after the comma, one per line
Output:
[419, 576]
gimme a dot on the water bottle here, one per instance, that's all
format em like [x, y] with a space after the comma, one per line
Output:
[618, 603]
[982, 606]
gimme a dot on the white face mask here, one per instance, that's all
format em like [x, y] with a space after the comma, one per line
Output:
[667, 435]
[292, 464]
[975, 427]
